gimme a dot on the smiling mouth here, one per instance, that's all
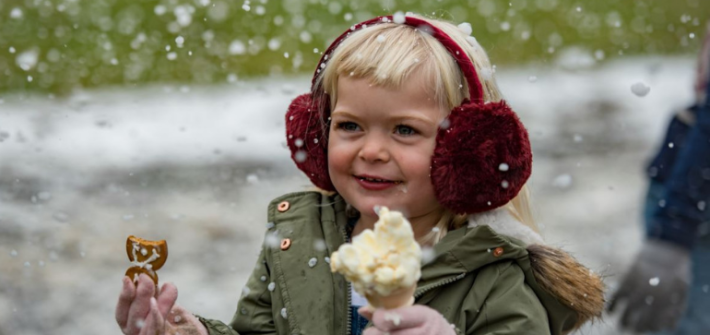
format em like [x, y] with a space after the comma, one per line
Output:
[375, 180]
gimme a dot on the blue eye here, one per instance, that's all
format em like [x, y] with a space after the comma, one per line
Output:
[405, 130]
[348, 126]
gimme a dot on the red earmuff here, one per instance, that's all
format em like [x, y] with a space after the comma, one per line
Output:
[307, 137]
[482, 158]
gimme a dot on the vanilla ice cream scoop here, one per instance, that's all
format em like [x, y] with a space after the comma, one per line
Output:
[384, 265]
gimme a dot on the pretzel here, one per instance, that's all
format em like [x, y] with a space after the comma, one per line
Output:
[146, 256]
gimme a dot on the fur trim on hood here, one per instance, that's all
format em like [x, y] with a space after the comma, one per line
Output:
[503, 223]
[557, 272]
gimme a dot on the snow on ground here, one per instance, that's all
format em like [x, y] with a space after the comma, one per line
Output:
[198, 165]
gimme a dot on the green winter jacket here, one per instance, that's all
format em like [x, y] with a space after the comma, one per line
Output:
[480, 281]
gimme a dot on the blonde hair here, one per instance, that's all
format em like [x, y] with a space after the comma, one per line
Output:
[388, 54]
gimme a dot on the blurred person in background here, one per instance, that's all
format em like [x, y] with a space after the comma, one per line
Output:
[667, 288]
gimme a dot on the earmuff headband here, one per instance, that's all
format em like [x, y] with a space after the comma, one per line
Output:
[475, 89]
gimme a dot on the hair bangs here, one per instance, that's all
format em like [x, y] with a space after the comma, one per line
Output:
[386, 54]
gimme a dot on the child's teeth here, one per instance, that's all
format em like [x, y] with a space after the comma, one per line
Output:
[379, 180]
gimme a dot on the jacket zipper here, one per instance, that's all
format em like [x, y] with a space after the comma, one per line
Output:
[348, 315]
[439, 284]
[350, 302]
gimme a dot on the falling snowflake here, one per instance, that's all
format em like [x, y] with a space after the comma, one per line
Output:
[300, 156]
[312, 262]
[16, 13]
[466, 28]
[562, 181]
[252, 179]
[298, 142]
[160, 10]
[319, 245]
[274, 44]
[28, 59]
[272, 240]
[237, 47]
[399, 17]
[428, 255]
[183, 14]
[640, 89]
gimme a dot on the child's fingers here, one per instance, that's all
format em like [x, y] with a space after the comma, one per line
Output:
[141, 304]
[166, 299]
[372, 331]
[400, 318]
[128, 292]
[154, 322]
[366, 312]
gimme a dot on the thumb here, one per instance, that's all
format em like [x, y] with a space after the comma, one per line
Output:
[166, 299]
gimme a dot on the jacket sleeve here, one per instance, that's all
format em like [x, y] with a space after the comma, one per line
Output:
[254, 313]
[511, 306]
[660, 167]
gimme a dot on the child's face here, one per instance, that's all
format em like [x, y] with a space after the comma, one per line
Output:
[387, 134]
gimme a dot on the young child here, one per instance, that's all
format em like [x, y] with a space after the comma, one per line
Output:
[404, 113]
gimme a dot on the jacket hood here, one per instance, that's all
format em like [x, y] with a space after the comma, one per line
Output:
[571, 293]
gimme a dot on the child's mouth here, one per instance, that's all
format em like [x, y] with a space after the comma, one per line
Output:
[376, 184]
[377, 180]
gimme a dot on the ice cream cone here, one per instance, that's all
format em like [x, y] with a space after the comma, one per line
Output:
[383, 264]
[400, 298]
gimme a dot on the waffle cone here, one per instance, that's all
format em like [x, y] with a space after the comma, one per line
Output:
[400, 298]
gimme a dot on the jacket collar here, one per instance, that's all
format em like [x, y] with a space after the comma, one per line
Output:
[474, 246]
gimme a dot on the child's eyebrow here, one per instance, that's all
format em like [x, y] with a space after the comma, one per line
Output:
[396, 118]
[414, 118]
[344, 113]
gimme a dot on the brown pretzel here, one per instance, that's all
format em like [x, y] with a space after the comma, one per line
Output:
[146, 256]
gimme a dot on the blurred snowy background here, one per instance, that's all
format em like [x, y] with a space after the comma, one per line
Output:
[104, 134]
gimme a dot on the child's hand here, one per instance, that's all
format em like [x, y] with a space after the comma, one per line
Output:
[139, 312]
[414, 320]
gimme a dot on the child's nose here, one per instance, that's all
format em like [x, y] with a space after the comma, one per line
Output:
[374, 150]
